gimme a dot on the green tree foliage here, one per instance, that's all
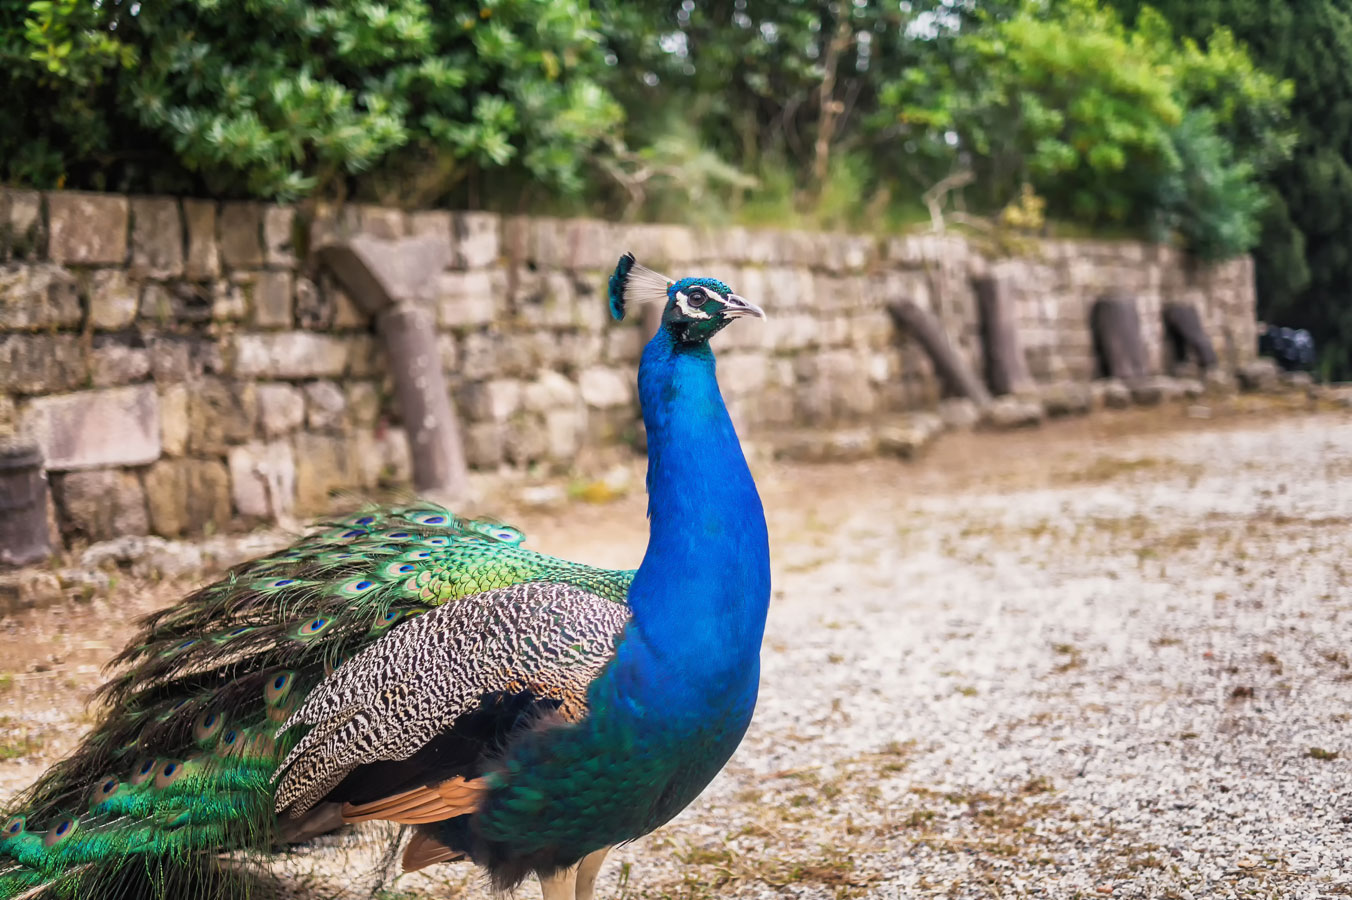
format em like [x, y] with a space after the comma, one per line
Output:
[780, 89]
[274, 98]
[1304, 257]
[1113, 125]
[808, 112]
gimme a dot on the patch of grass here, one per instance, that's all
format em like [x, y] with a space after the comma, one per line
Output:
[1073, 658]
[16, 744]
[1321, 754]
[1110, 468]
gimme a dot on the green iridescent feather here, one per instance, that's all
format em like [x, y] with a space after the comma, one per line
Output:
[182, 765]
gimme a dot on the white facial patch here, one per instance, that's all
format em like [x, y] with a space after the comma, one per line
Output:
[683, 304]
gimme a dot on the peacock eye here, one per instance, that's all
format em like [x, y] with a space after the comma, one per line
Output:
[697, 295]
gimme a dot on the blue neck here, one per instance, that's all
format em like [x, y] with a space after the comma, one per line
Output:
[700, 597]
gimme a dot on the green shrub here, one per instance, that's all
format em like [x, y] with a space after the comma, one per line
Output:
[280, 98]
[1114, 126]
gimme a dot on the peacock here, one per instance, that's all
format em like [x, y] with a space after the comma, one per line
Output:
[407, 665]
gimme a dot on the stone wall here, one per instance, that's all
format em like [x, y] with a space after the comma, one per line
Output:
[185, 366]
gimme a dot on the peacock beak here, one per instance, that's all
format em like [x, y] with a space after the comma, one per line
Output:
[738, 307]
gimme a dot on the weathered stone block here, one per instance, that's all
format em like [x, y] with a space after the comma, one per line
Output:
[525, 441]
[834, 385]
[40, 363]
[279, 236]
[174, 419]
[476, 239]
[479, 355]
[38, 295]
[315, 309]
[564, 430]
[330, 222]
[959, 413]
[118, 359]
[220, 413]
[22, 232]
[289, 354]
[100, 504]
[281, 409]
[188, 495]
[383, 457]
[383, 222]
[1110, 393]
[204, 259]
[156, 237]
[826, 446]
[549, 301]
[363, 403]
[572, 351]
[346, 314]
[324, 464]
[326, 306]
[491, 401]
[484, 445]
[113, 299]
[96, 429]
[591, 245]
[549, 391]
[742, 373]
[623, 345]
[434, 222]
[272, 307]
[365, 356]
[1260, 375]
[228, 302]
[1013, 412]
[89, 229]
[241, 235]
[167, 304]
[325, 406]
[448, 348]
[910, 438]
[602, 387]
[263, 479]
[177, 358]
[1152, 391]
[469, 299]
[1066, 398]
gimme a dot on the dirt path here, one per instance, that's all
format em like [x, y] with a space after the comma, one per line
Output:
[1060, 663]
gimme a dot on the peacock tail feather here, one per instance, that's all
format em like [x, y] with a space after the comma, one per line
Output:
[183, 765]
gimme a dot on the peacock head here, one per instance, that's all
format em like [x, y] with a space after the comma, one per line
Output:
[696, 308]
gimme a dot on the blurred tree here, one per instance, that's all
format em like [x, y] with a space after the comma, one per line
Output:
[1114, 126]
[278, 98]
[1304, 257]
[781, 89]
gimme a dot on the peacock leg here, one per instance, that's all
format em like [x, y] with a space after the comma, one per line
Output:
[587, 870]
[560, 885]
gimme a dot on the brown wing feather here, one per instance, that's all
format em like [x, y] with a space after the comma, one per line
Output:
[451, 798]
[425, 850]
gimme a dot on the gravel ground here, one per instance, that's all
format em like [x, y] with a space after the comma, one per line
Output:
[1065, 663]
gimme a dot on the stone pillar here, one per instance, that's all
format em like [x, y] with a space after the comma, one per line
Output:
[389, 280]
[1006, 367]
[949, 365]
[1117, 337]
[23, 505]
